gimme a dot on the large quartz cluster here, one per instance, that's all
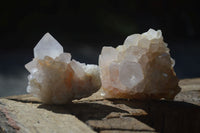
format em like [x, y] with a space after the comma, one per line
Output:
[55, 78]
[141, 68]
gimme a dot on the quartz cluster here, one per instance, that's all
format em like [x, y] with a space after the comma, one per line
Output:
[57, 79]
[141, 68]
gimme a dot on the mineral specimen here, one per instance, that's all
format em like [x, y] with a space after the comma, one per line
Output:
[141, 68]
[57, 79]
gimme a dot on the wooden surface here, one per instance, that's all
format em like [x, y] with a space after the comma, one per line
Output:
[24, 114]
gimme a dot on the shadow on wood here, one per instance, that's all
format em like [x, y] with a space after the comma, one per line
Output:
[167, 116]
[132, 115]
[83, 111]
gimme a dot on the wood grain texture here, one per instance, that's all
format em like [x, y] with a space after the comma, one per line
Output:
[25, 113]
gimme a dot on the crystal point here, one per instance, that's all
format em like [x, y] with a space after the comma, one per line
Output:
[47, 46]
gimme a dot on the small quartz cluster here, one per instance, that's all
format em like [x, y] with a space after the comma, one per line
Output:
[55, 78]
[141, 68]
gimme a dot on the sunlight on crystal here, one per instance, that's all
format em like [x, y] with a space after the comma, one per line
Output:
[48, 46]
[140, 69]
[57, 79]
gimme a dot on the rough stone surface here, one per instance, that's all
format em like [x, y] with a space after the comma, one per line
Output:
[141, 68]
[32, 118]
[57, 79]
[25, 113]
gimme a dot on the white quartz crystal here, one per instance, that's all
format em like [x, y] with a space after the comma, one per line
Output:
[141, 68]
[55, 78]
[47, 46]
